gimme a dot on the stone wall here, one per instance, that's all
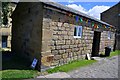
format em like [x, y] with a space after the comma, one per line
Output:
[112, 17]
[58, 43]
[27, 30]
[58, 40]
[48, 35]
[105, 42]
[5, 32]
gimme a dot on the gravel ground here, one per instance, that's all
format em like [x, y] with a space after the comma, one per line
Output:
[105, 68]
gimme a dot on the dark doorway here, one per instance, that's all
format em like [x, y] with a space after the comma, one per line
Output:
[4, 41]
[96, 44]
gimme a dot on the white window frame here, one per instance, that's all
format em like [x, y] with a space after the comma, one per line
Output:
[77, 32]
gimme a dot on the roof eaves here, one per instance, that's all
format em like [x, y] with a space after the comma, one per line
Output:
[60, 6]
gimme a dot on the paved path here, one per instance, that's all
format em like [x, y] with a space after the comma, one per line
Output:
[104, 68]
[56, 75]
[107, 68]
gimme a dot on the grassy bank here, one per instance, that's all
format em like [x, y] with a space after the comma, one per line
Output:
[19, 73]
[71, 66]
[15, 67]
[114, 53]
[76, 64]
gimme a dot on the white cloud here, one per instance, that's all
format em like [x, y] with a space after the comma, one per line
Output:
[87, 0]
[77, 7]
[70, 1]
[95, 11]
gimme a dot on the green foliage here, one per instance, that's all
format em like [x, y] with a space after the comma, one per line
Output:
[71, 66]
[114, 53]
[0, 49]
[19, 73]
[5, 10]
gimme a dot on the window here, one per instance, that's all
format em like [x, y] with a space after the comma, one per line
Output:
[109, 35]
[78, 32]
[4, 41]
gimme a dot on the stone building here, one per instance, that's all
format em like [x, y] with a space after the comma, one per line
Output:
[5, 31]
[112, 16]
[54, 34]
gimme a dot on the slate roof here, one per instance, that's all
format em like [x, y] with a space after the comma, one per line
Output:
[65, 8]
[116, 5]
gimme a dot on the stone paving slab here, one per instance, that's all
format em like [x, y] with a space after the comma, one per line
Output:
[104, 68]
[56, 75]
[107, 68]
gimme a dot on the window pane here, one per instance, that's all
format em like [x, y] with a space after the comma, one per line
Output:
[75, 31]
[80, 32]
[109, 35]
[4, 41]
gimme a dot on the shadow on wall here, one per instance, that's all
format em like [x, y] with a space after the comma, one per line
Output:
[12, 61]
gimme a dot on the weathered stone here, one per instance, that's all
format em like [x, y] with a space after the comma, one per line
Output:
[46, 25]
[60, 24]
[61, 51]
[67, 42]
[57, 57]
[47, 34]
[64, 56]
[58, 47]
[60, 42]
[54, 52]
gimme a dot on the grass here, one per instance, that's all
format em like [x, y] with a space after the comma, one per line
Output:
[71, 66]
[16, 67]
[77, 64]
[0, 49]
[19, 73]
[115, 53]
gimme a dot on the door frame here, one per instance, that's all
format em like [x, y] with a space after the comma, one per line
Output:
[96, 44]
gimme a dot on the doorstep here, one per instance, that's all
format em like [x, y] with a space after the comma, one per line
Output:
[98, 58]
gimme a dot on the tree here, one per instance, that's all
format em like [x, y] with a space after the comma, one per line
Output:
[5, 11]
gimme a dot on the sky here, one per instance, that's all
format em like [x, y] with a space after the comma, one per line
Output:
[93, 8]
[90, 7]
